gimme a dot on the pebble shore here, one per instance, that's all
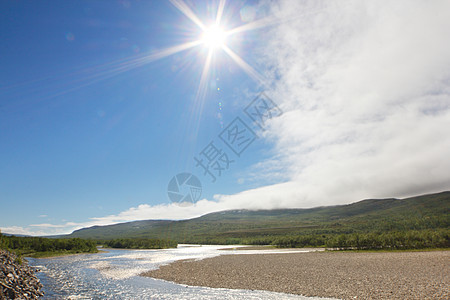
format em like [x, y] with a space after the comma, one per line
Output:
[17, 279]
[342, 275]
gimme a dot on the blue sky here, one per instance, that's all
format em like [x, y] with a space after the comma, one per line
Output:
[96, 115]
[81, 140]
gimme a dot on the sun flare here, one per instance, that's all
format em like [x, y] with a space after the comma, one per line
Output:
[213, 37]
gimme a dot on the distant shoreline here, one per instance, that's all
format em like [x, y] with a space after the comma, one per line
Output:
[47, 255]
[337, 274]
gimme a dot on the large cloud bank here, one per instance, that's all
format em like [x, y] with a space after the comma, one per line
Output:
[364, 86]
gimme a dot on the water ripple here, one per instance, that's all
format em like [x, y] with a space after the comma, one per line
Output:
[115, 275]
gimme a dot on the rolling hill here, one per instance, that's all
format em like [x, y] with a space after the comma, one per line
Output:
[258, 226]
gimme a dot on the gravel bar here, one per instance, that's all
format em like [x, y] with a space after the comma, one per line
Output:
[343, 275]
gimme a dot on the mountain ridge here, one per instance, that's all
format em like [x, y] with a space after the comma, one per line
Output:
[427, 211]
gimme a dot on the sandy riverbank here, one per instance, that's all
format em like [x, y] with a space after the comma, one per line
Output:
[343, 275]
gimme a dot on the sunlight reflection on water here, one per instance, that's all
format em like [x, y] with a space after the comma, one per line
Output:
[115, 275]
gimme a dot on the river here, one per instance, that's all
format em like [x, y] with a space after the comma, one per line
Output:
[114, 274]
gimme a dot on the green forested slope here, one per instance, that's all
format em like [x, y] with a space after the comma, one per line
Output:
[426, 212]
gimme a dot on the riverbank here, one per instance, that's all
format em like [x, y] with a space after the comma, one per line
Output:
[343, 275]
[17, 279]
[52, 254]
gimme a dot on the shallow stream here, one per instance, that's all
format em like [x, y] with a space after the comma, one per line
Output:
[114, 274]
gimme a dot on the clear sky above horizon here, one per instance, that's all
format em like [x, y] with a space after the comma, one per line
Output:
[102, 103]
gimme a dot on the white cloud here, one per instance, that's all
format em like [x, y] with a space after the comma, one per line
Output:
[142, 212]
[364, 86]
[47, 225]
[22, 230]
[365, 90]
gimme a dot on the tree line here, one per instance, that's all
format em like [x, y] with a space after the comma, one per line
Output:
[139, 243]
[370, 241]
[389, 240]
[39, 244]
[77, 245]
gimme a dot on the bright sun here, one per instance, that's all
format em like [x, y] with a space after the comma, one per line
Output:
[213, 37]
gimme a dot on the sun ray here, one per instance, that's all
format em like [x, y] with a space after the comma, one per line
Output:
[254, 25]
[195, 117]
[201, 92]
[245, 66]
[108, 70]
[182, 7]
[213, 37]
[91, 75]
[271, 21]
[220, 11]
[114, 68]
[170, 51]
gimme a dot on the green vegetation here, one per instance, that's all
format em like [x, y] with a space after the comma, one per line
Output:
[45, 247]
[421, 222]
[413, 223]
[48, 247]
[139, 243]
[396, 240]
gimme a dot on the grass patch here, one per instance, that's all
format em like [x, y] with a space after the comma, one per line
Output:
[47, 254]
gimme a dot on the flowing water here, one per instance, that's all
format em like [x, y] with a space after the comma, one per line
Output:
[115, 275]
